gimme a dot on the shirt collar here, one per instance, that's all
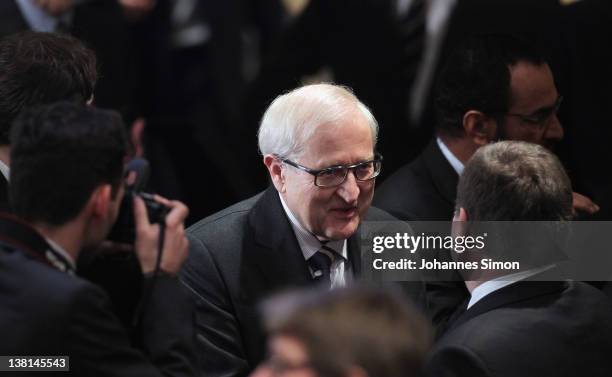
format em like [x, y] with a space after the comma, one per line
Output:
[493, 285]
[308, 242]
[5, 170]
[450, 157]
[61, 251]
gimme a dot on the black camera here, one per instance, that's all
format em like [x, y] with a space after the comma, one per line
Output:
[136, 176]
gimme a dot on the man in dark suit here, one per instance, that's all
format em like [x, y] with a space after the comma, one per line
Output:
[318, 144]
[492, 87]
[66, 187]
[35, 69]
[514, 325]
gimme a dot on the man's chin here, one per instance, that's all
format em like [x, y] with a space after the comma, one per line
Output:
[341, 230]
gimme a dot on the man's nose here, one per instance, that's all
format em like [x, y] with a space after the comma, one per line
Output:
[554, 131]
[349, 189]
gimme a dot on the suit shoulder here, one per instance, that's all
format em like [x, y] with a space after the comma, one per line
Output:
[235, 213]
[404, 176]
[377, 214]
[48, 287]
[401, 192]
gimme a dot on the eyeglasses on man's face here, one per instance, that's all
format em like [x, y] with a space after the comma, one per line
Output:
[336, 175]
[541, 117]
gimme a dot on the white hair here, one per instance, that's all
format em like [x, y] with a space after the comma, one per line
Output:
[293, 118]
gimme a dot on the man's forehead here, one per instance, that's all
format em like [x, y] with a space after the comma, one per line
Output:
[340, 146]
[532, 87]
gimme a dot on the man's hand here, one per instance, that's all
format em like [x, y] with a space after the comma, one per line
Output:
[582, 204]
[147, 237]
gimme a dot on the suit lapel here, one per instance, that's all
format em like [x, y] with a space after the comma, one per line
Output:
[273, 253]
[444, 177]
[353, 247]
[273, 248]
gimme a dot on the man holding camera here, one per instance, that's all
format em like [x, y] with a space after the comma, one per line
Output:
[66, 189]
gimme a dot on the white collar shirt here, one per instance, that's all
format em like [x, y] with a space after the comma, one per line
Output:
[310, 244]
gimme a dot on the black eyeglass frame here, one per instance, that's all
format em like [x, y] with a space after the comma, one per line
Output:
[539, 120]
[378, 158]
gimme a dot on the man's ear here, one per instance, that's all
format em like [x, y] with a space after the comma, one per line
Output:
[277, 173]
[459, 225]
[479, 128]
[460, 214]
[100, 201]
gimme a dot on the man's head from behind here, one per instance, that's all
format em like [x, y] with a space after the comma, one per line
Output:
[514, 181]
[65, 158]
[350, 332]
[41, 68]
[308, 138]
[498, 87]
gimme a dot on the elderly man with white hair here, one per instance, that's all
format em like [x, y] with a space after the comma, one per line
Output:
[318, 144]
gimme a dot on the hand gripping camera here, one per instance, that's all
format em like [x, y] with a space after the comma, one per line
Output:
[136, 176]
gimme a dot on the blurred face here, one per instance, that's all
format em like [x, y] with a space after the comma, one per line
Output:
[287, 358]
[532, 114]
[331, 213]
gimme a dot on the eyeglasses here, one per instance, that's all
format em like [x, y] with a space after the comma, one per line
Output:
[336, 175]
[540, 117]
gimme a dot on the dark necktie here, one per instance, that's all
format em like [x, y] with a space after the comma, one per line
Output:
[320, 264]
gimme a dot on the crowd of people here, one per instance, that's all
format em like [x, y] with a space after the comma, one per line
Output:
[123, 282]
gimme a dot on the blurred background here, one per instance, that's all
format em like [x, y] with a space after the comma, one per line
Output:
[192, 78]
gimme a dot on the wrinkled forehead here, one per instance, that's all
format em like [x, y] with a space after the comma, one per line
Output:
[343, 142]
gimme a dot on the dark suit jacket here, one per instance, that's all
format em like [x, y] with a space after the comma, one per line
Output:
[11, 20]
[45, 311]
[423, 190]
[530, 329]
[587, 74]
[238, 257]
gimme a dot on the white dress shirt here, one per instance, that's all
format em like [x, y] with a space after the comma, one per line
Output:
[493, 285]
[450, 157]
[60, 250]
[5, 170]
[310, 244]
